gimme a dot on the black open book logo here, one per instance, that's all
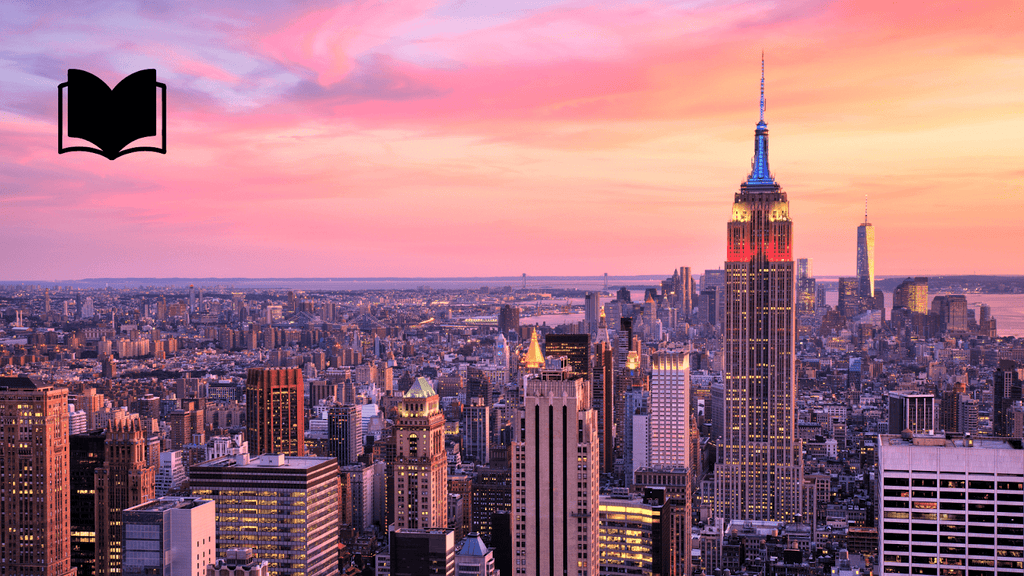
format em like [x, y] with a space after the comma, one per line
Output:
[113, 119]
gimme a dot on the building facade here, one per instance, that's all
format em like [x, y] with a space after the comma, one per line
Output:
[127, 478]
[556, 478]
[171, 536]
[35, 521]
[421, 463]
[759, 471]
[951, 506]
[275, 415]
[283, 507]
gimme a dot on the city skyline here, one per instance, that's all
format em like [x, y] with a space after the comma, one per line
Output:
[423, 139]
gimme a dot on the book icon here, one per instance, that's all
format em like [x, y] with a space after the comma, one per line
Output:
[111, 120]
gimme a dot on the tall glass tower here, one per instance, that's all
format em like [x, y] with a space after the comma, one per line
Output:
[760, 470]
[866, 257]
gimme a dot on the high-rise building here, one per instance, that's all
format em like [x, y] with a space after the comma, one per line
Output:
[951, 505]
[35, 521]
[912, 294]
[759, 473]
[1006, 391]
[508, 319]
[909, 411]
[603, 395]
[126, 479]
[345, 433]
[476, 431]
[634, 534]
[850, 302]
[713, 283]
[575, 347]
[866, 258]
[274, 411]
[668, 452]
[171, 536]
[670, 410]
[555, 498]
[87, 453]
[591, 311]
[421, 464]
[283, 507]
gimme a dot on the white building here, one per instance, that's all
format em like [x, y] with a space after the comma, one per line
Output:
[172, 474]
[951, 506]
[170, 536]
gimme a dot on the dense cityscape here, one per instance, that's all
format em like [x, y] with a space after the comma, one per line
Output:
[724, 422]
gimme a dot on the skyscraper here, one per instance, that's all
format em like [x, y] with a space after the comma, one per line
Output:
[87, 453]
[866, 257]
[591, 308]
[760, 469]
[421, 463]
[575, 347]
[274, 411]
[555, 498]
[284, 507]
[126, 479]
[35, 507]
[912, 294]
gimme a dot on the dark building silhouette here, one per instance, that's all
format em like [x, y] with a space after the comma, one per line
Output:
[508, 319]
[575, 347]
[87, 454]
[1006, 389]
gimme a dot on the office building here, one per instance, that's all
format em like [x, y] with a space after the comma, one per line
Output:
[491, 494]
[1006, 391]
[910, 411]
[713, 282]
[283, 507]
[35, 489]
[634, 535]
[591, 312]
[850, 303]
[421, 464]
[953, 507]
[127, 478]
[866, 258]
[603, 401]
[422, 552]
[345, 433]
[669, 410]
[760, 469]
[575, 347]
[170, 536]
[912, 294]
[274, 411]
[556, 469]
[476, 431]
[87, 453]
[508, 319]
[357, 496]
[171, 475]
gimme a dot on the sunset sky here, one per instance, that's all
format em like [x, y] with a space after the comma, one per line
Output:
[491, 138]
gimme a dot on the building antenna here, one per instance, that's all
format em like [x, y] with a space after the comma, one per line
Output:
[762, 85]
[865, 208]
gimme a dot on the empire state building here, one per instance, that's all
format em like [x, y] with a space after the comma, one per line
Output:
[760, 470]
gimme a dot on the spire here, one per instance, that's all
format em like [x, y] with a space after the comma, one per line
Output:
[762, 86]
[865, 208]
[760, 175]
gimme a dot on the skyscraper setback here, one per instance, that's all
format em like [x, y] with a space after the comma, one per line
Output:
[760, 470]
